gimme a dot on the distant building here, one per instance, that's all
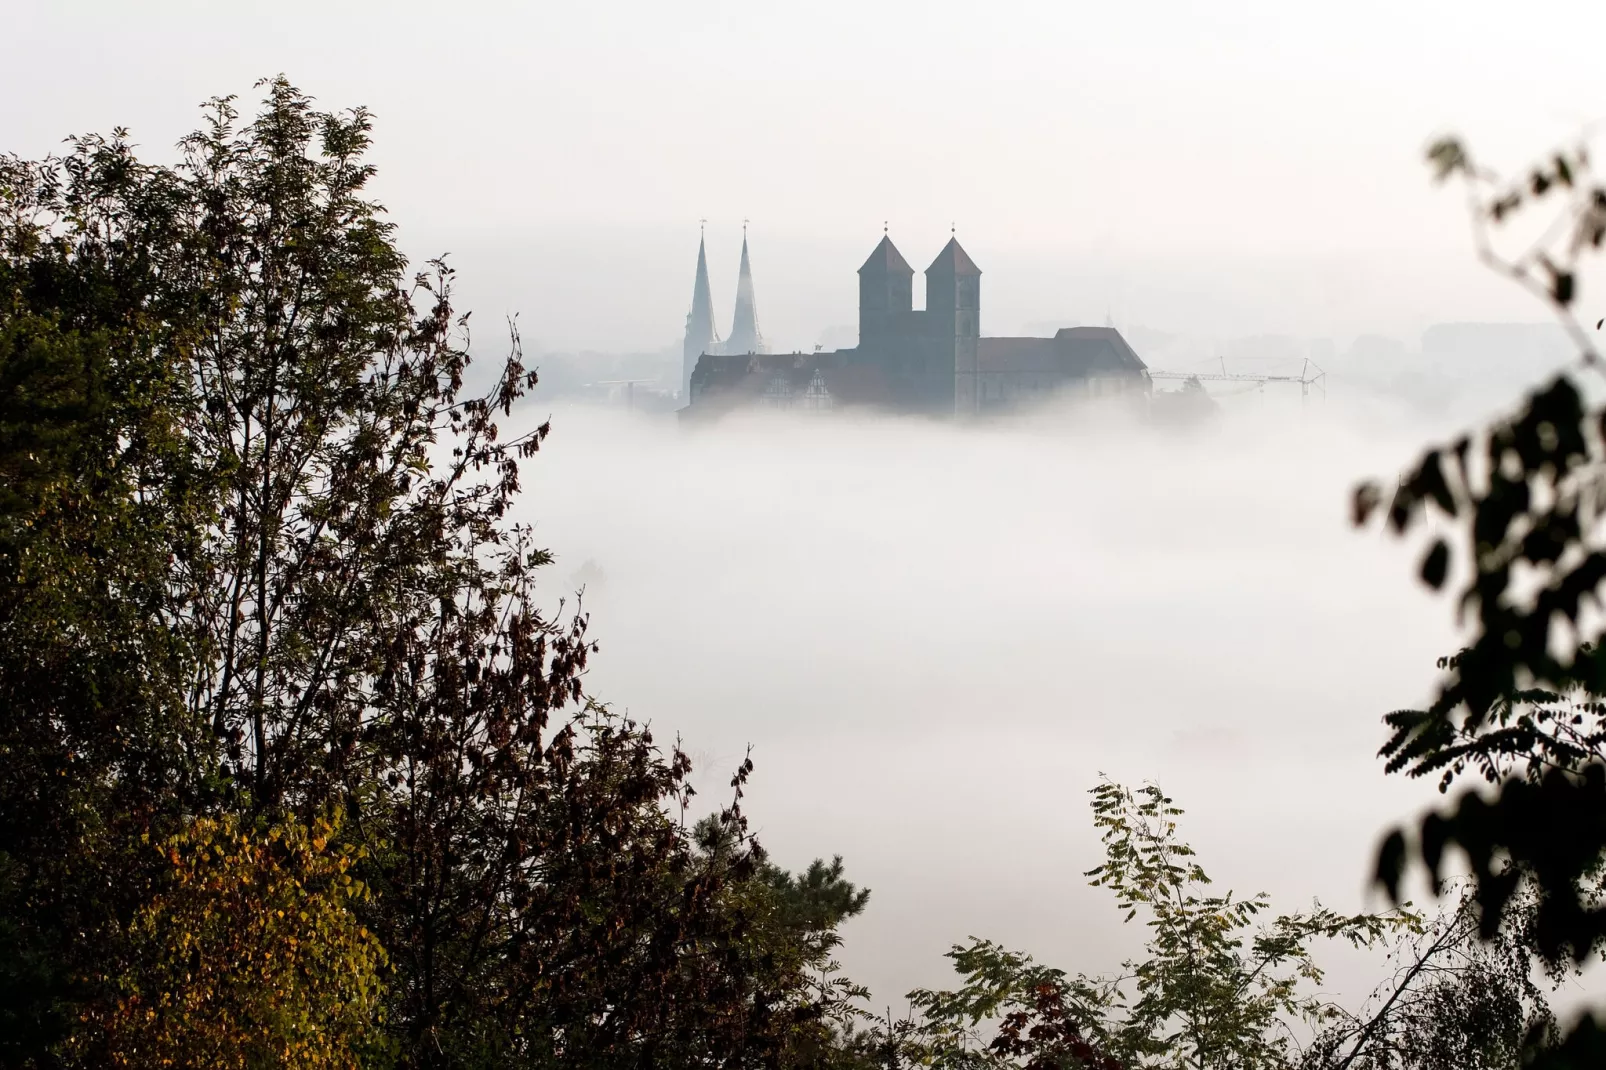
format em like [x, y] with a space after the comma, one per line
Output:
[745, 336]
[932, 360]
[701, 336]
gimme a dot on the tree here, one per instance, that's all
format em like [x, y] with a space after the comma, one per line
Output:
[249, 955]
[1454, 1002]
[95, 742]
[1521, 508]
[322, 379]
[1216, 991]
[1218, 987]
[786, 943]
[260, 570]
[1010, 1012]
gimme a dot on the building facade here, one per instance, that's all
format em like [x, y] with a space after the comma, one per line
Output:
[931, 361]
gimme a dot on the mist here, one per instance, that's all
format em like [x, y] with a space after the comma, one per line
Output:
[936, 638]
[1236, 168]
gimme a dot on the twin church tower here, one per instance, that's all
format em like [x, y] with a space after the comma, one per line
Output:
[931, 361]
[701, 337]
[922, 359]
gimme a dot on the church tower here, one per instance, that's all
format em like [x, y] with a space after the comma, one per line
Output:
[700, 336]
[886, 290]
[744, 336]
[953, 305]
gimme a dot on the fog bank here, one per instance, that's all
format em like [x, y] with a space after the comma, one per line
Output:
[936, 639]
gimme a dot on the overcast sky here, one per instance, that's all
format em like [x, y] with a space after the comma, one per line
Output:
[1234, 167]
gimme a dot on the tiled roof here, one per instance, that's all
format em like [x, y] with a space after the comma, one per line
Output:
[1094, 340]
[1073, 351]
[953, 260]
[887, 260]
[1017, 355]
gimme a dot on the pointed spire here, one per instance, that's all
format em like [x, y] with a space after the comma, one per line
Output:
[702, 295]
[886, 260]
[745, 336]
[953, 260]
[700, 335]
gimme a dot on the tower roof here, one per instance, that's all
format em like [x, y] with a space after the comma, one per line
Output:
[745, 336]
[886, 260]
[702, 295]
[700, 330]
[953, 260]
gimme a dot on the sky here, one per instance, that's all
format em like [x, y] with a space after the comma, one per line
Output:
[1232, 168]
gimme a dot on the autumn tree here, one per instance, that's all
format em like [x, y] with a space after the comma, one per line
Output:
[260, 568]
[248, 955]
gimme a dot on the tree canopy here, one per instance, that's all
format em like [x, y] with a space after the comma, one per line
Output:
[264, 608]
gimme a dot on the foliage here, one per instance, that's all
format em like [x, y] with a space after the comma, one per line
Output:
[260, 569]
[1521, 508]
[94, 738]
[1010, 1012]
[357, 491]
[249, 955]
[577, 921]
[1218, 987]
[789, 933]
[1454, 1001]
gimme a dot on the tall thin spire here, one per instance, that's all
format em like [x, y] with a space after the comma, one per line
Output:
[700, 335]
[745, 336]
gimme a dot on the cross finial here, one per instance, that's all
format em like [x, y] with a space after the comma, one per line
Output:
[744, 227]
[702, 227]
[883, 228]
[953, 228]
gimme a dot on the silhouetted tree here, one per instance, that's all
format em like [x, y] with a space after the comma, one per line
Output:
[259, 571]
[1520, 507]
[96, 740]
[1218, 985]
[1454, 1002]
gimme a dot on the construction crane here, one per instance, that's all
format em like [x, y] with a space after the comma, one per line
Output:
[630, 389]
[1309, 375]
